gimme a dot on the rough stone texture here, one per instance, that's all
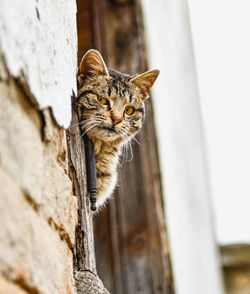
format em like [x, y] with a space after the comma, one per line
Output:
[39, 42]
[9, 288]
[38, 211]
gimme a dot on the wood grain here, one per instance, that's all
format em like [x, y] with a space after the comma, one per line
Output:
[84, 249]
[85, 274]
[130, 235]
[236, 266]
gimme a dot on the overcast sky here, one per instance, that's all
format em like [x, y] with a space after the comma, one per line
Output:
[221, 38]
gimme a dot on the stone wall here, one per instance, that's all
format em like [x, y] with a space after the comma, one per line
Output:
[38, 211]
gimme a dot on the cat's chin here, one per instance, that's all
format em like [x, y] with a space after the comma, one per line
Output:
[105, 134]
[109, 130]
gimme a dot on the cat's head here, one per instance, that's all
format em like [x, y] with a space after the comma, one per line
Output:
[111, 104]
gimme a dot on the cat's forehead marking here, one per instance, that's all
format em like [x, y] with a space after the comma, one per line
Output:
[118, 82]
[116, 88]
[131, 97]
[120, 88]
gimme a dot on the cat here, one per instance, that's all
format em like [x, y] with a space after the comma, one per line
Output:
[111, 111]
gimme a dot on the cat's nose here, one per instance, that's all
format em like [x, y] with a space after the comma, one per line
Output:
[116, 120]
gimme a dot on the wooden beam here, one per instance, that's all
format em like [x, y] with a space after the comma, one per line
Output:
[130, 235]
[236, 265]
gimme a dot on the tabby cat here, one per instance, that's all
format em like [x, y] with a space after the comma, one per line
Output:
[111, 110]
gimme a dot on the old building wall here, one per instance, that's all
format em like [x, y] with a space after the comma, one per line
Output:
[38, 211]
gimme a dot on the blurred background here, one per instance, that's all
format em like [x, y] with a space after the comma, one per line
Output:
[200, 104]
[221, 46]
[202, 49]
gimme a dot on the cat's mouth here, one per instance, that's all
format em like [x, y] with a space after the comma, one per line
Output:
[110, 129]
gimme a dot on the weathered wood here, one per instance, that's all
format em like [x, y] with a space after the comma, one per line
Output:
[84, 250]
[87, 280]
[235, 255]
[236, 265]
[88, 283]
[131, 243]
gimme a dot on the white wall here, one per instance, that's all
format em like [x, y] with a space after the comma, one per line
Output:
[221, 31]
[39, 41]
[182, 150]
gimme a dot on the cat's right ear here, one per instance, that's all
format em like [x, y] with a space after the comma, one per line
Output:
[145, 81]
[92, 64]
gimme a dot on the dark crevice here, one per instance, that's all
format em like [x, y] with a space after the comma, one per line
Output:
[31, 201]
[22, 84]
[20, 281]
[43, 125]
[63, 234]
[37, 14]
[61, 231]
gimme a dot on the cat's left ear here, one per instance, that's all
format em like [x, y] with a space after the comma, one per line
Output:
[145, 81]
[92, 64]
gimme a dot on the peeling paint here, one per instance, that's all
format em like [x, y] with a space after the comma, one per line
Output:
[38, 40]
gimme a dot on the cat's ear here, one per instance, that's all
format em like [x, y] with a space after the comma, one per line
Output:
[92, 64]
[145, 81]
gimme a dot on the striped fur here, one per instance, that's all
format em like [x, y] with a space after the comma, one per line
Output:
[108, 125]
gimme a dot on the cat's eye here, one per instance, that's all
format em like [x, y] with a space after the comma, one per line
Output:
[103, 101]
[129, 110]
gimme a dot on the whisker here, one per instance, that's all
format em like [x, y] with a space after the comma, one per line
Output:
[91, 127]
[80, 123]
[132, 135]
[130, 146]
[71, 128]
[90, 122]
[125, 154]
[131, 151]
[126, 146]
[134, 138]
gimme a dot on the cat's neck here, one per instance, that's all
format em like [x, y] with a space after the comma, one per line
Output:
[107, 147]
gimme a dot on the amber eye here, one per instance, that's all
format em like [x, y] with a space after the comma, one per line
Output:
[103, 101]
[129, 110]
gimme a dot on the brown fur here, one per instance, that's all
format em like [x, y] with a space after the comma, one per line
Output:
[108, 125]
